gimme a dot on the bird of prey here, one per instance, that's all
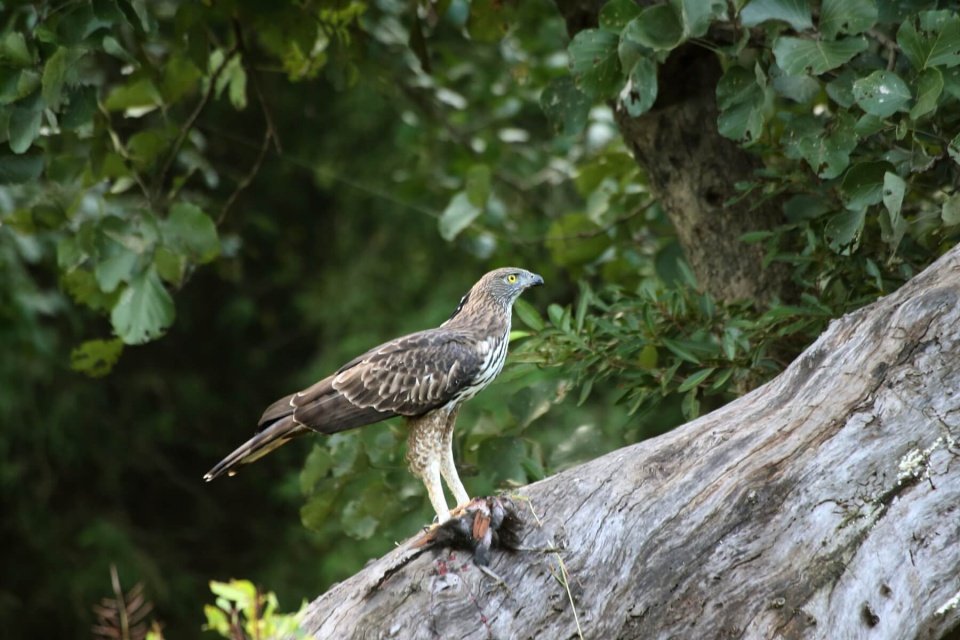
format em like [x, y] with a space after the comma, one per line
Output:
[424, 376]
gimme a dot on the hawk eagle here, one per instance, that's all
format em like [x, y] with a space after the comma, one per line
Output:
[424, 376]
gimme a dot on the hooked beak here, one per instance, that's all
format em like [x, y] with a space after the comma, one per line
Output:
[535, 281]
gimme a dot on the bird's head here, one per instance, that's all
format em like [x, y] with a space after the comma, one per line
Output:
[501, 287]
[505, 285]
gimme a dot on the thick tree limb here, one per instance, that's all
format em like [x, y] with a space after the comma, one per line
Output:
[693, 171]
[825, 504]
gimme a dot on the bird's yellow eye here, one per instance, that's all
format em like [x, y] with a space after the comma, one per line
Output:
[512, 278]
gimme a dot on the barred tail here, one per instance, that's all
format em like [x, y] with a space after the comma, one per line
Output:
[276, 435]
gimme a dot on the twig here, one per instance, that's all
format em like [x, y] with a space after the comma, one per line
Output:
[566, 585]
[585, 235]
[887, 43]
[121, 604]
[192, 119]
[269, 134]
[247, 179]
[122, 151]
[564, 578]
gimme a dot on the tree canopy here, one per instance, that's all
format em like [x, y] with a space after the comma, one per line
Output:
[205, 206]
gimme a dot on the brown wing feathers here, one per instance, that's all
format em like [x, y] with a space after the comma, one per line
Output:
[407, 376]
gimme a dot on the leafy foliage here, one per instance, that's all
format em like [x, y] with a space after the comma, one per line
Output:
[851, 110]
[145, 192]
[243, 612]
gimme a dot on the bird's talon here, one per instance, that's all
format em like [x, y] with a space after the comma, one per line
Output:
[478, 526]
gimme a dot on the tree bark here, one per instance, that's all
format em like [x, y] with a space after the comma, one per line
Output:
[824, 504]
[693, 171]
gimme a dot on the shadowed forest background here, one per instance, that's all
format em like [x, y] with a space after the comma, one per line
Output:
[206, 207]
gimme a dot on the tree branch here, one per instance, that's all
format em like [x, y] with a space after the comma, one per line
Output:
[269, 134]
[821, 505]
[192, 119]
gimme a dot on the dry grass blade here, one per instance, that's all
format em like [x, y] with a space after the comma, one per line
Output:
[124, 616]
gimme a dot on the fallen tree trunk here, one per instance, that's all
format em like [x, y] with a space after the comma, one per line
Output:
[825, 504]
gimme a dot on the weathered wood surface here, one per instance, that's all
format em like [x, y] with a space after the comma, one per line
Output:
[825, 504]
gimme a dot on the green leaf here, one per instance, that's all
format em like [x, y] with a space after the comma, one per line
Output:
[20, 168]
[78, 24]
[741, 98]
[574, 240]
[236, 77]
[555, 312]
[13, 86]
[191, 232]
[846, 16]
[840, 89]
[802, 88]
[954, 148]
[690, 405]
[648, 357]
[315, 469]
[136, 99]
[799, 55]
[528, 315]
[868, 124]
[147, 146]
[458, 215]
[894, 188]
[658, 27]
[629, 52]
[24, 125]
[680, 350]
[113, 47]
[216, 620]
[357, 523]
[694, 379]
[478, 185]
[805, 206]
[489, 20]
[825, 148]
[863, 184]
[54, 75]
[929, 88]
[881, 94]
[82, 287]
[14, 51]
[753, 237]
[594, 62]
[171, 266]
[640, 92]
[565, 106]
[180, 78]
[317, 511]
[796, 13]
[950, 211]
[697, 15]
[115, 268]
[843, 231]
[615, 14]
[138, 16]
[932, 39]
[241, 592]
[144, 310]
[81, 105]
[96, 358]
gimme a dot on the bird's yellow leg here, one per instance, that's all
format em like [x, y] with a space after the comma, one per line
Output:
[431, 479]
[449, 470]
[424, 457]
